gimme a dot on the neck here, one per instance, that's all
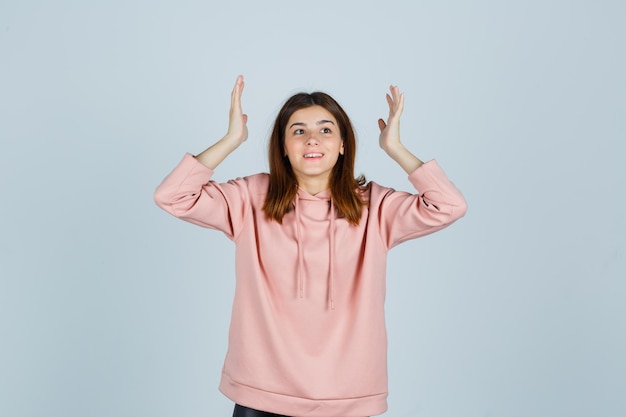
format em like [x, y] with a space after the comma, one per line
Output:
[313, 186]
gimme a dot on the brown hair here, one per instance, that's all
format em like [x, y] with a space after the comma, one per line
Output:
[283, 186]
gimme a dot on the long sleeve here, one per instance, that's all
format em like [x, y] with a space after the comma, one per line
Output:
[189, 194]
[438, 203]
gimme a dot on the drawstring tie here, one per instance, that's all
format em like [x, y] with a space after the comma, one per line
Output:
[331, 247]
[331, 270]
[300, 255]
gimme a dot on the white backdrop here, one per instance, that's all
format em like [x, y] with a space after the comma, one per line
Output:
[109, 307]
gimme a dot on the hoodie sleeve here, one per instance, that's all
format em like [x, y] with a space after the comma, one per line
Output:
[438, 203]
[189, 194]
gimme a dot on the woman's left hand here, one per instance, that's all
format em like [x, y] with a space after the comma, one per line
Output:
[389, 138]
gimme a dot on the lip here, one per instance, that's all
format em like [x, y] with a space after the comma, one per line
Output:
[314, 155]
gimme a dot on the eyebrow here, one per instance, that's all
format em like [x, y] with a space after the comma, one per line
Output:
[320, 122]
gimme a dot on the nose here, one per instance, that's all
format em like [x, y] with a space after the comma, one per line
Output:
[312, 140]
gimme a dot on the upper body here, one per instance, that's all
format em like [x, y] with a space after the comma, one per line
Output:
[307, 334]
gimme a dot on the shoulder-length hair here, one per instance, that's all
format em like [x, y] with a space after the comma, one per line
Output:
[283, 186]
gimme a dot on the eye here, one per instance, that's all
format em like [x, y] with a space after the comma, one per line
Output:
[326, 130]
[298, 131]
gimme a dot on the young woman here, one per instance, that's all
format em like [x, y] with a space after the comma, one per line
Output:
[307, 334]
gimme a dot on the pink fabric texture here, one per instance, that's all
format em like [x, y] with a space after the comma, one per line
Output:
[307, 334]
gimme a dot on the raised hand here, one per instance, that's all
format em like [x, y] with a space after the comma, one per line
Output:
[236, 135]
[389, 138]
[237, 120]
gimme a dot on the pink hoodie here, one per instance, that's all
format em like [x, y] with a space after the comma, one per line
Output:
[307, 334]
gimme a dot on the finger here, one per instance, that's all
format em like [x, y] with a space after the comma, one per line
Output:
[395, 101]
[398, 103]
[237, 90]
[395, 92]
[381, 124]
[399, 94]
[390, 103]
[236, 86]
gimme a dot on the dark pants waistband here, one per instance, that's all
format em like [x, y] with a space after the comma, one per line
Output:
[241, 411]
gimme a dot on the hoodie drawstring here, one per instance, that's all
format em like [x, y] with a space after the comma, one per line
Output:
[300, 255]
[331, 269]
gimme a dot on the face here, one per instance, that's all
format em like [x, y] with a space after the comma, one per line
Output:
[313, 144]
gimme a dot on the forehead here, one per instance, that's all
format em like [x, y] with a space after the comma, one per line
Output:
[311, 115]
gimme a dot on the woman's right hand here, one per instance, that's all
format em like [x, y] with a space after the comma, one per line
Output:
[236, 135]
[237, 123]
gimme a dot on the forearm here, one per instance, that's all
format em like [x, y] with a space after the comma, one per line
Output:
[216, 153]
[404, 158]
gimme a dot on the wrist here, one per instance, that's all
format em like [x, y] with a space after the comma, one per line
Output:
[403, 157]
[395, 150]
[231, 141]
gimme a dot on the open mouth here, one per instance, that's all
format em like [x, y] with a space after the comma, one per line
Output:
[313, 155]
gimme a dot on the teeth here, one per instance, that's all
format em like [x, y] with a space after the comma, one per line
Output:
[313, 155]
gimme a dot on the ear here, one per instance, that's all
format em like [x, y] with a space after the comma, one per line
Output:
[341, 150]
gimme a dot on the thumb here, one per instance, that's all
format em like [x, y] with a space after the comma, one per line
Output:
[381, 124]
